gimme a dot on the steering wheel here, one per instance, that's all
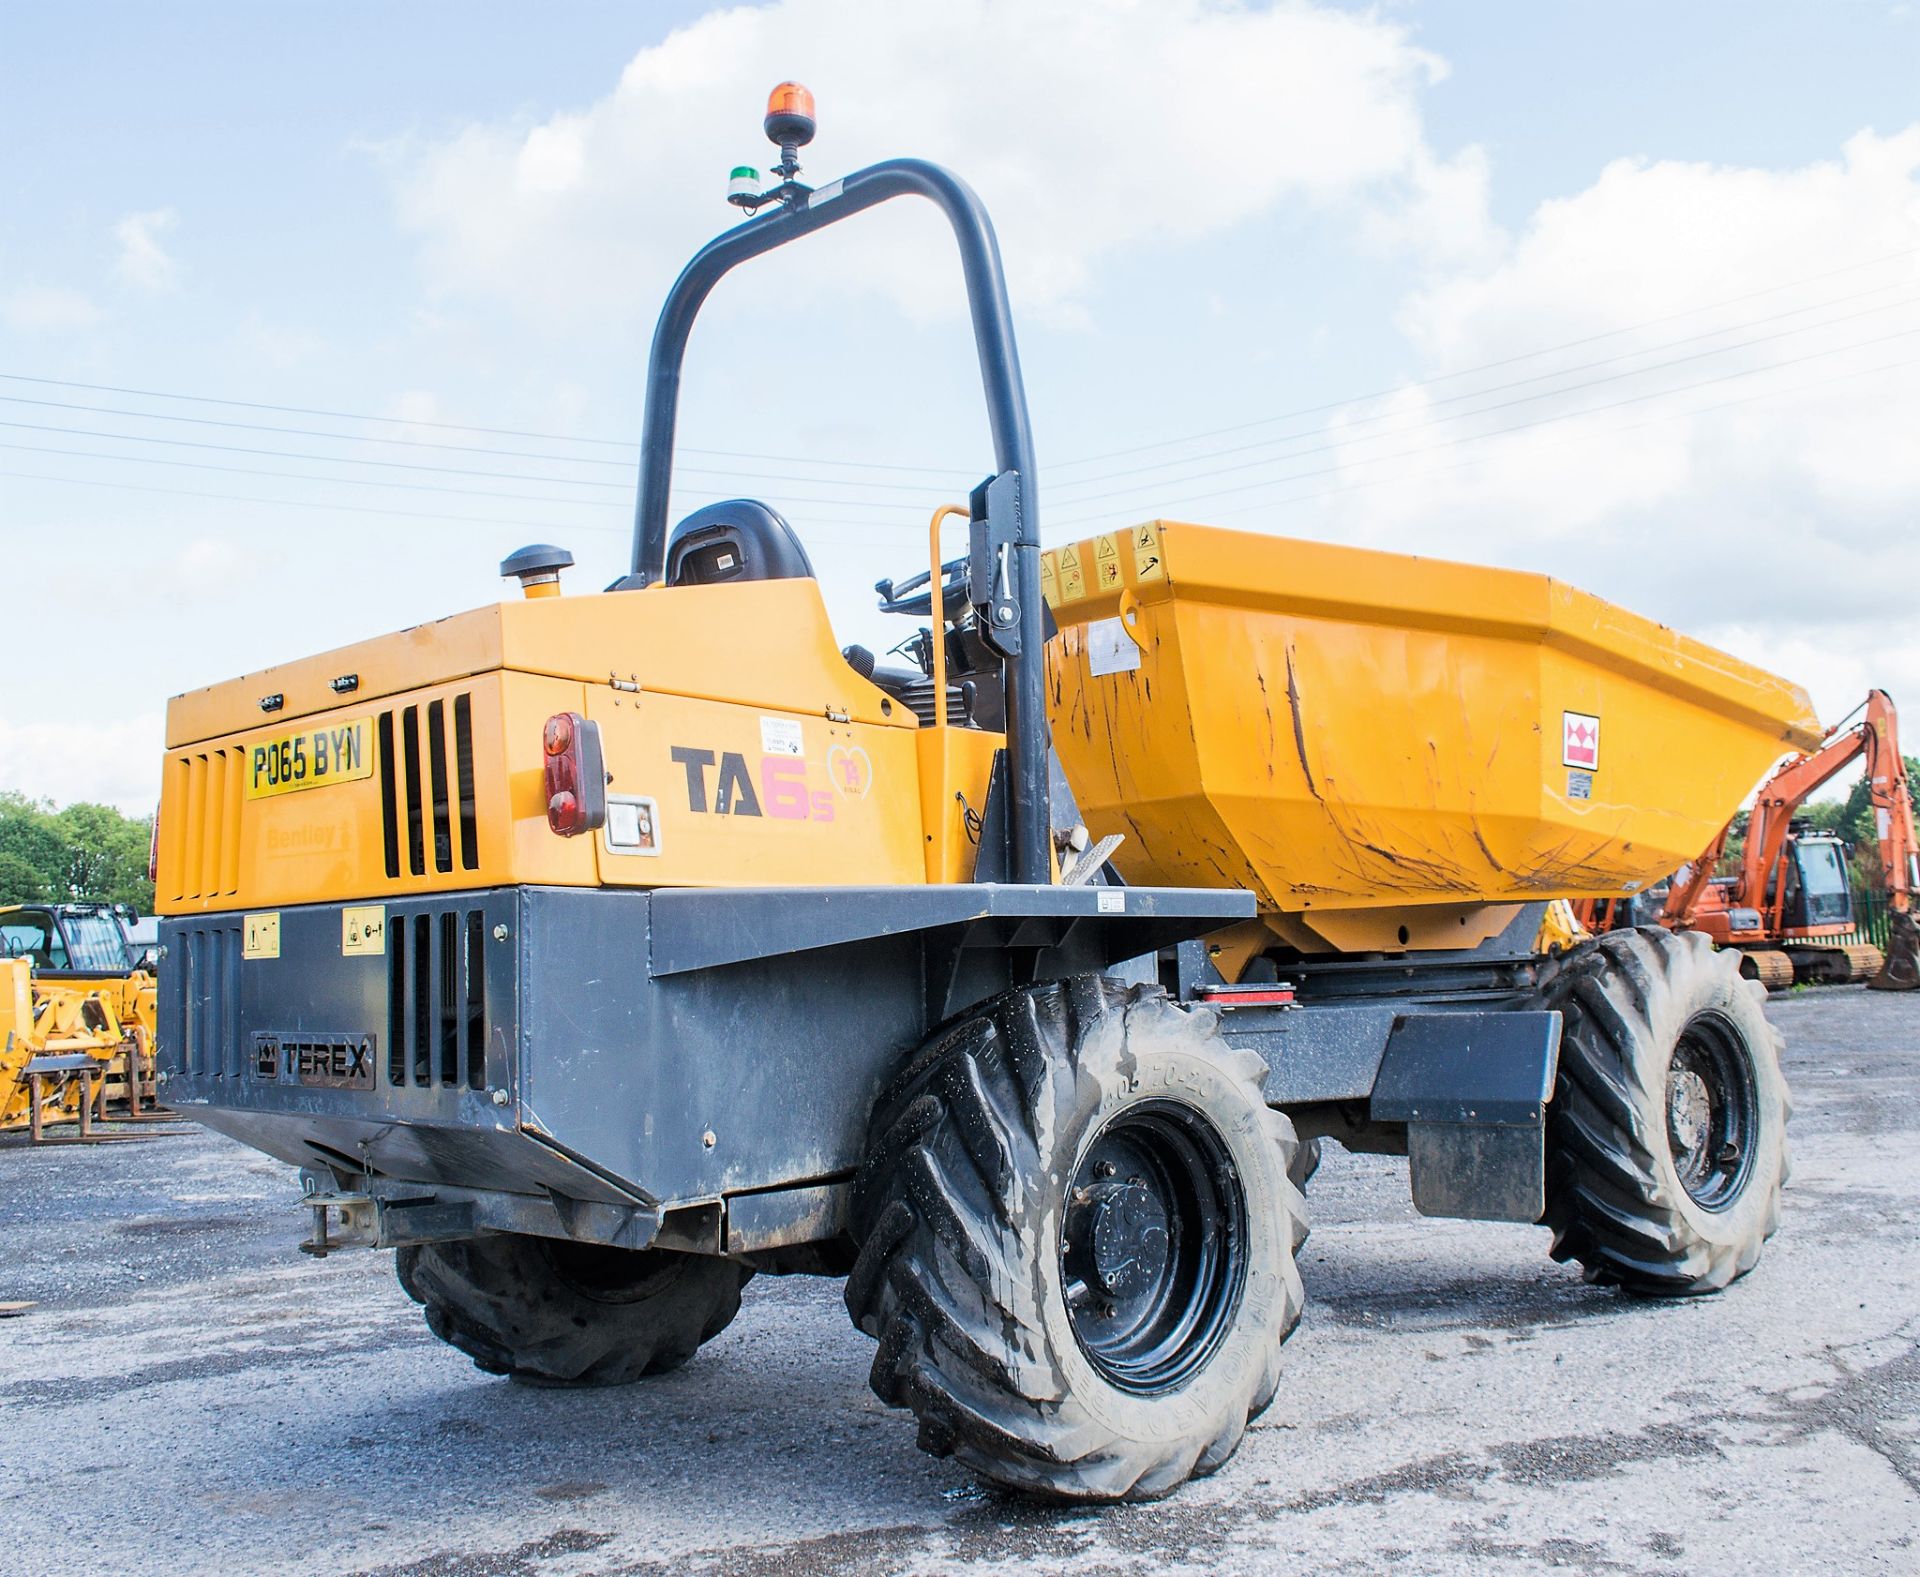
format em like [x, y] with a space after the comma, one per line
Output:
[913, 596]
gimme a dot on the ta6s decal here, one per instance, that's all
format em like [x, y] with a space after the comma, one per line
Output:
[719, 784]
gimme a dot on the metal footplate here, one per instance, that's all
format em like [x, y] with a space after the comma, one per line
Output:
[392, 1214]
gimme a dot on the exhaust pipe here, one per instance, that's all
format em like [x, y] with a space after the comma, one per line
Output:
[1901, 972]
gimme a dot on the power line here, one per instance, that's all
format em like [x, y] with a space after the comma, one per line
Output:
[1541, 421]
[302, 476]
[458, 427]
[894, 488]
[415, 443]
[313, 432]
[832, 503]
[299, 503]
[1573, 388]
[627, 464]
[917, 471]
[405, 465]
[290, 454]
[418, 487]
[1488, 366]
[1540, 377]
[1589, 437]
[867, 465]
[1275, 503]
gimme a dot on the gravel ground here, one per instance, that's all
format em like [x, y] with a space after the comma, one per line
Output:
[190, 1395]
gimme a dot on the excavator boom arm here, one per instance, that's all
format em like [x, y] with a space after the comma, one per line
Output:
[1892, 800]
[1877, 737]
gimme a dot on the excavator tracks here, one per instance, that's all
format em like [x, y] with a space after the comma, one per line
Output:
[1774, 970]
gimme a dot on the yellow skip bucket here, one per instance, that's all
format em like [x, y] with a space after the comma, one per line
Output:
[1389, 751]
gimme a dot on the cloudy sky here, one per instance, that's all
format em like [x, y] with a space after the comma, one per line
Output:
[309, 314]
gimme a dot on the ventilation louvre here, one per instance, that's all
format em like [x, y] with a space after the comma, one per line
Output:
[203, 837]
[209, 963]
[437, 999]
[428, 813]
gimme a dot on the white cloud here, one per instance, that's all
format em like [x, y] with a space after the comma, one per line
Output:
[280, 344]
[111, 762]
[1764, 489]
[207, 571]
[48, 310]
[1089, 128]
[416, 405]
[143, 262]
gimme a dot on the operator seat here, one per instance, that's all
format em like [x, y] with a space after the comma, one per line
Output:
[737, 539]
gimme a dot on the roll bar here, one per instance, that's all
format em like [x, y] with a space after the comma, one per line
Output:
[1016, 609]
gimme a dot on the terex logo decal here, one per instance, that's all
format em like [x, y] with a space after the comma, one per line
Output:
[778, 790]
[1580, 740]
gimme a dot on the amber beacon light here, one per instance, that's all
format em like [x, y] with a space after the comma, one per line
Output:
[790, 121]
[790, 126]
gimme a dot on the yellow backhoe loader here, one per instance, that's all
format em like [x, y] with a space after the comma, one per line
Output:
[76, 1018]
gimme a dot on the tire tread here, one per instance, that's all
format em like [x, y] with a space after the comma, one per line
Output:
[1623, 997]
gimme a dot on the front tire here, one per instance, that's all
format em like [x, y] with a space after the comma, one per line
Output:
[1667, 1134]
[1077, 1242]
[549, 1311]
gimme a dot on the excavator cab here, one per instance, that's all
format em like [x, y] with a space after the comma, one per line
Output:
[1818, 894]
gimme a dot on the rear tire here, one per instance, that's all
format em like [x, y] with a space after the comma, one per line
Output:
[1077, 1235]
[1305, 1162]
[1667, 1134]
[549, 1311]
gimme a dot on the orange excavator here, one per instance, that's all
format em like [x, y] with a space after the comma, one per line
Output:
[1789, 903]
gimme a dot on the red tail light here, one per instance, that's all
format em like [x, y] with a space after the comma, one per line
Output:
[576, 775]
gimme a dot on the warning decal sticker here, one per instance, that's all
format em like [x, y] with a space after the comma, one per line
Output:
[363, 930]
[1073, 580]
[1147, 563]
[260, 936]
[781, 736]
[1106, 563]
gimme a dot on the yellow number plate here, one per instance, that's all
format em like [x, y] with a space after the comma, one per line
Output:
[312, 758]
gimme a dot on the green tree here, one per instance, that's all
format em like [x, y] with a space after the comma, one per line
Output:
[1829, 815]
[1735, 846]
[21, 881]
[107, 855]
[85, 852]
[1859, 829]
[28, 834]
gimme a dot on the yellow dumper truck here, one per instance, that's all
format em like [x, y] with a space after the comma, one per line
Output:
[598, 952]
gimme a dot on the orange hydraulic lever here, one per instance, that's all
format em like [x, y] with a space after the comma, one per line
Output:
[937, 606]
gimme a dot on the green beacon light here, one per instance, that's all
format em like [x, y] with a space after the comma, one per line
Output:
[743, 186]
[789, 126]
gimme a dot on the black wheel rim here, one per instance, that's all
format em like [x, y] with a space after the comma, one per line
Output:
[1712, 1112]
[1153, 1246]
